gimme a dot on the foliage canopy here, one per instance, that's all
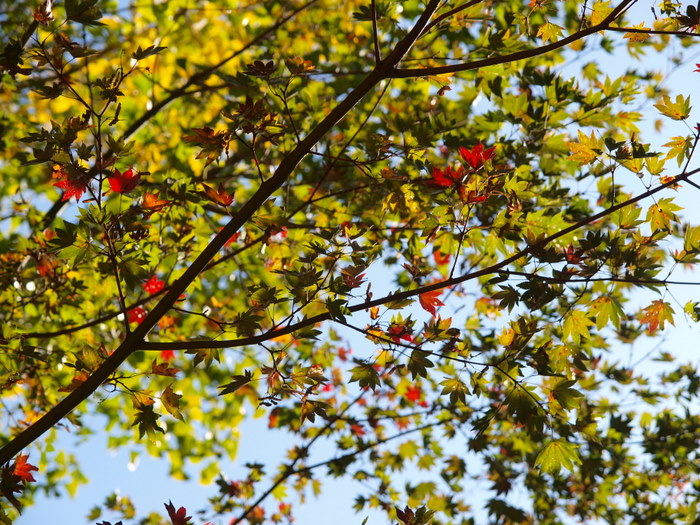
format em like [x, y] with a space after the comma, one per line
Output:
[417, 230]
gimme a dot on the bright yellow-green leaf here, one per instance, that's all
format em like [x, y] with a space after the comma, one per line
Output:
[662, 214]
[549, 32]
[558, 454]
[679, 148]
[678, 110]
[586, 150]
[637, 37]
[605, 309]
[601, 9]
[576, 325]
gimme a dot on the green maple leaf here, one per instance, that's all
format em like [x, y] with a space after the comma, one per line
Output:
[556, 455]
[576, 326]
[549, 32]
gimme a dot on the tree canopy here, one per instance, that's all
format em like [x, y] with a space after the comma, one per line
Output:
[429, 233]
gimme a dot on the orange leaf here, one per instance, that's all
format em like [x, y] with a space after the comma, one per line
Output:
[23, 469]
[219, 196]
[152, 202]
[656, 314]
[429, 300]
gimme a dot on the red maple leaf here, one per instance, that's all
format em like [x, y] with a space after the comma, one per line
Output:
[46, 264]
[71, 186]
[413, 393]
[124, 182]
[167, 355]
[23, 469]
[358, 430]
[477, 155]
[429, 300]
[441, 258]
[572, 255]
[280, 233]
[153, 285]
[179, 516]
[350, 280]
[397, 332]
[471, 196]
[137, 315]
[447, 177]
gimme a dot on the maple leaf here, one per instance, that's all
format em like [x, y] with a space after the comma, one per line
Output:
[72, 186]
[137, 315]
[153, 285]
[477, 155]
[23, 469]
[413, 393]
[429, 300]
[124, 182]
[351, 279]
[678, 110]
[219, 195]
[471, 196]
[572, 255]
[43, 14]
[171, 402]
[273, 418]
[397, 332]
[636, 36]
[162, 369]
[152, 203]
[212, 142]
[46, 265]
[358, 430]
[549, 32]
[656, 314]
[179, 516]
[447, 177]
[299, 66]
[167, 355]
[586, 150]
[441, 258]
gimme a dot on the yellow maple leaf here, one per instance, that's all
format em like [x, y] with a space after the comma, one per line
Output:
[634, 36]
[586, 150]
